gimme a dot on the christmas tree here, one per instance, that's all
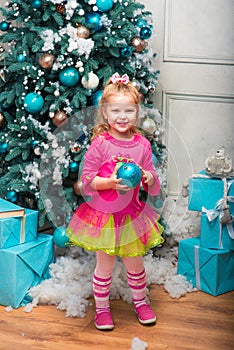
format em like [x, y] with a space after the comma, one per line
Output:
[55, 58]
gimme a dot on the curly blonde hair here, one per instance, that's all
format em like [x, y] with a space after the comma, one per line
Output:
[113, 89]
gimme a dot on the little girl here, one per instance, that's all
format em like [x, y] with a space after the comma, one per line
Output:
[114, 221]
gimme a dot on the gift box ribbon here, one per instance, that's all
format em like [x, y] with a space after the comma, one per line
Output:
[212, 214]
[197, 267]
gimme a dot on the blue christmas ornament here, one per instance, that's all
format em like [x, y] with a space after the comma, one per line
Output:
[94, 18]
[3, 147]
[73, 166]
[96, 97]
[126, 51]
[158, 203]
[33, 102]
[21, 58]
[4, 26]
[145, 33]
[11, 196]
[36, 4]
[154, 159]
[130, 173]
[69, 76]
[141, 23]
[60, 237]
[104, 5]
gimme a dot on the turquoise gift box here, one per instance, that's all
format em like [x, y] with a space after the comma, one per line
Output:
[22, 267]
[206, 192]
[213, 235]
[209, 270]
[17, 230]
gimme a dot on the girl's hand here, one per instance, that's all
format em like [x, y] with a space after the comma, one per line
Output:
[148, 178]
[116, 185]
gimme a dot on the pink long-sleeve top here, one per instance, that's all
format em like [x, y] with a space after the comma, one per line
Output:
[100, 160]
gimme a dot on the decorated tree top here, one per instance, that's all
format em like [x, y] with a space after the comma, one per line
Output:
[55, 58]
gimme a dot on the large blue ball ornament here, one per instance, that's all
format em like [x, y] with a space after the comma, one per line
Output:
[11, 196]
[69, 76]
[130, 173]
[96, 97]
[145, 32]
[104, 5]
[33, 102]
[60, 237]
[4, 26]
[94, 18]
[3, 147]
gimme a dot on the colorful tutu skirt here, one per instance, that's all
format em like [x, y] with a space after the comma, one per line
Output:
[122, 233]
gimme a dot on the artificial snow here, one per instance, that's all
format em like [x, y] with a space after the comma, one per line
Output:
[70, 285]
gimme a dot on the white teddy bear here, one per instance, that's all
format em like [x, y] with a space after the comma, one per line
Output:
[219, 164]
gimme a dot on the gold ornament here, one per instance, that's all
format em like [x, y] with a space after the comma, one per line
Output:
[82, 31]
[46, 60]
[1, 119]
[59, 118]
[77, 187]
[60, 8]
[138, 43]
[148, 125]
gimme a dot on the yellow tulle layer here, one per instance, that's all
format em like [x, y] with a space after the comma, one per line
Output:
[129, 244]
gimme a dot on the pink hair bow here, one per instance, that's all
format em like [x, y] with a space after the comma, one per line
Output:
[116, 78]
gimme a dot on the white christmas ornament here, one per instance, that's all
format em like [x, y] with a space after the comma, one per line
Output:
[92, 81]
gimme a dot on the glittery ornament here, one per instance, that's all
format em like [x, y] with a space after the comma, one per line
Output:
[92, 81]
[59, 118]
[82, 31]
[148, 125]
[60, 237]
[1, 119]
[46, 60]
[130, 174]
[138, 44]
[60, 8]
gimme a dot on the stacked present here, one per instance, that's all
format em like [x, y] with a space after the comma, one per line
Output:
[208, 260]
[25, 255]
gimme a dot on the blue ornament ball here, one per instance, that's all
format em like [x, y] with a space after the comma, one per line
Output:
[73, 166]
[33, 102]
[154, 159]
[11, 196]
[36, 4]
[130, 173]
[158, 203]
[104, 5]
[94, 19]
[69, 76]
[21, 58]
[60, 237]
[3, 147]
[126, 51]
[96, 97]
[145, 33]
[141, 23]
[4, 26]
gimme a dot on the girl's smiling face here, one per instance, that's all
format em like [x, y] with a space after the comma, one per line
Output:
[121, 114]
